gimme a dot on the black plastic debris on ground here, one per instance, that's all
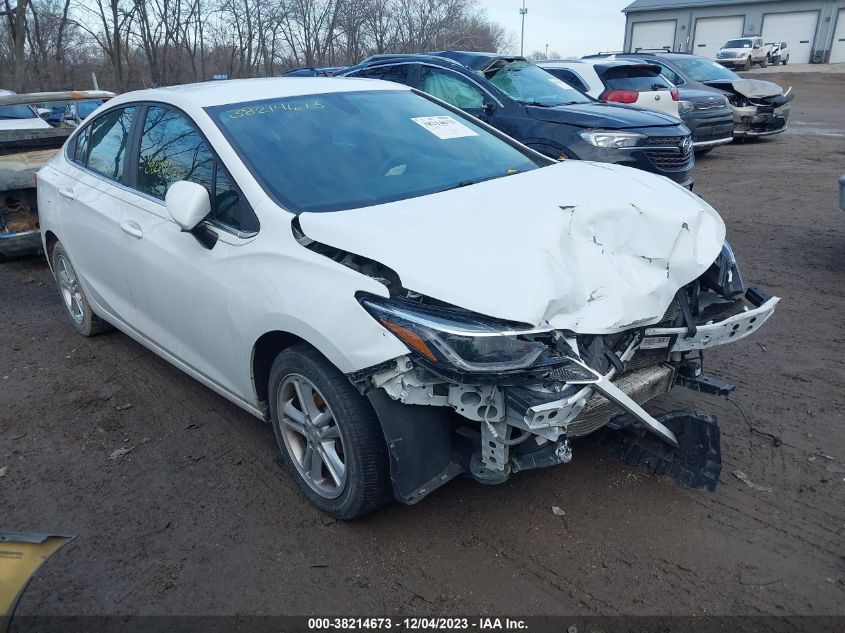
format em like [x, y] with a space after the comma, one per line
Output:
[697, 461]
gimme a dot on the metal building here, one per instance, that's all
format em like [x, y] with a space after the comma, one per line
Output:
[813, 29]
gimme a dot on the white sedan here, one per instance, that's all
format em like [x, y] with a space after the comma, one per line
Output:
[404, 293]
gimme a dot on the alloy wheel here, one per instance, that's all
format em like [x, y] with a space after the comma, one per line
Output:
[70, 289]
[312, 436]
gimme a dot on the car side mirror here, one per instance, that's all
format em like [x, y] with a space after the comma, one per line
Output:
[189, 204]
[43, 112]
[489, 109]
[756, 46]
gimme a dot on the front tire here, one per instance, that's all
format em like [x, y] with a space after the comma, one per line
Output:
[747, 64]
[79, 311]
[329, 436]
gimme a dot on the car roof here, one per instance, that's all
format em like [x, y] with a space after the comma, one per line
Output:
[401, 58]
[562, 62]
[214, 93]
[592, 62]
[467, 59]
[476, 60]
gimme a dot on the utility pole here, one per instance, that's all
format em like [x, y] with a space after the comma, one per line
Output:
[522, 12]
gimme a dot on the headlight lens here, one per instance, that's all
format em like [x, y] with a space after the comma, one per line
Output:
[610, 139]
[470, 346]
[462, 343]
[723, 276]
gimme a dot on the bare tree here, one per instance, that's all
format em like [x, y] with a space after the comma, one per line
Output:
[128, 43]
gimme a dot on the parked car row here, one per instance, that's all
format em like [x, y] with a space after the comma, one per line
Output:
[642, 83]
[715, 105]
[760, 108]
[548, 115]
[402, 290]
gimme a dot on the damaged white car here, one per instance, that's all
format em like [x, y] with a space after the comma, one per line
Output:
[405, 293]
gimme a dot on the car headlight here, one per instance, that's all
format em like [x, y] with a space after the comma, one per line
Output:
[615, 140]
[453, 341]
[723, 276]
[685, 106]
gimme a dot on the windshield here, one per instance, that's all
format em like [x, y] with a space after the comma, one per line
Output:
[738, 44]
[701, 69]
[337, 151]
[17, 112]
[528, 83]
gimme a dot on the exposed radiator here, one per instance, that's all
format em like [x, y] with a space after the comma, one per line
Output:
[641, 386]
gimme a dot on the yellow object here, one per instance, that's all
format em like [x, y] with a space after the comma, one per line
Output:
[20, 557]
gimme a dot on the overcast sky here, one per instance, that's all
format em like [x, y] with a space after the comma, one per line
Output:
[569, 27]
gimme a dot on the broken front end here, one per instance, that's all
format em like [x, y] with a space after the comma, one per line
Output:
[760, 108]
[491, 398]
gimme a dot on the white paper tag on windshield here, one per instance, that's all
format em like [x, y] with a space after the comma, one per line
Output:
[443, 126]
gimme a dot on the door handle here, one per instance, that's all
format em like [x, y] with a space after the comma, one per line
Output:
[66, 192]
[132, 229]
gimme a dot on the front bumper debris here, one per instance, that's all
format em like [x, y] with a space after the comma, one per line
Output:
[494, 429]
[729, 330]
[762, 120]
[695, 463]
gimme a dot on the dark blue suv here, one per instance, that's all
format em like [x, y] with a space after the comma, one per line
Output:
[541, 111]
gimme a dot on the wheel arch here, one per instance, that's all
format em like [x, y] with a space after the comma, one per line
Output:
[264, 352]
[50, 240]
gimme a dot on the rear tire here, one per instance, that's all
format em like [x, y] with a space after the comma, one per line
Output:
[784, 62]
[76, 305]
[764, 63]
[330, 438]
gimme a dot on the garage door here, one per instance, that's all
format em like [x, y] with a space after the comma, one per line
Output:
[712, 33]
[660, 34]
[837, 51]
[797, 29]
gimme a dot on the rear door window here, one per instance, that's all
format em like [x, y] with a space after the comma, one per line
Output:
[102, 147]
[451, 88]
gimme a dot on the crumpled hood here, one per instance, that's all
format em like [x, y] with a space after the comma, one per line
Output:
[588, 247]
[751, 88]
[601, 115]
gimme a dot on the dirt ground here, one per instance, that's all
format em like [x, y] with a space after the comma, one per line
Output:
[198, 518]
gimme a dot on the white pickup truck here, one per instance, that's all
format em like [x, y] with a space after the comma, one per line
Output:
[744, 52]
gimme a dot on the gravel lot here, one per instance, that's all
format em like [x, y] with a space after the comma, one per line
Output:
[199, 518]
